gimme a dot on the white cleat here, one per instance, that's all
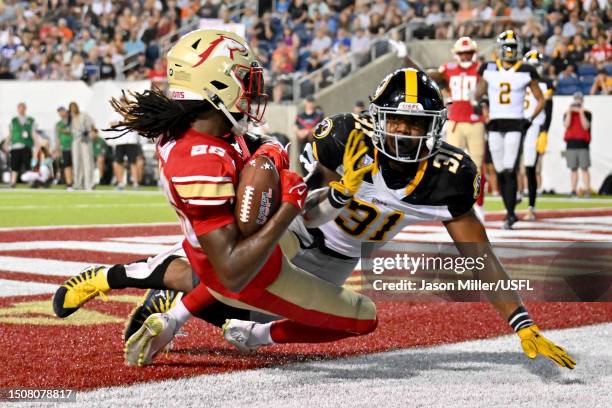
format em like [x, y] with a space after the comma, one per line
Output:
[238, 332]
[156, 333]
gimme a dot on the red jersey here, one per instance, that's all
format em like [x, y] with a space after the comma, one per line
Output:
[462, 84]
[199, 174]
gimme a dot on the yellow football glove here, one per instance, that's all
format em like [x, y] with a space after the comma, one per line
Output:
[354, 170]
[542, 142]
[534, 343]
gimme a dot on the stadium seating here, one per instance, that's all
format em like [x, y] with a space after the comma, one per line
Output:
[586, 70]
[568, 86]
[290, 22]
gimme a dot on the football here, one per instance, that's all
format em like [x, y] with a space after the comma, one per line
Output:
[258, 195]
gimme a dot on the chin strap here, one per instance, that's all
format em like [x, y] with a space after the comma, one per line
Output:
[238, 127]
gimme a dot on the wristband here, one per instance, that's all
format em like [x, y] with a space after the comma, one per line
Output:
[520, 319]
[337, 199]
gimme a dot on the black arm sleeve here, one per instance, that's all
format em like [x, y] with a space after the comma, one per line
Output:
[468, 189]
[548, 110]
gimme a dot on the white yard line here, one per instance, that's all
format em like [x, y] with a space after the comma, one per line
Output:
[40, 266]
[597, 200]
[99, 246]
[157, 239]
[10, 287]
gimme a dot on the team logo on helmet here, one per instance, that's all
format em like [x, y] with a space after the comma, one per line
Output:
[221, 47]
[381, 87]
[323, 128]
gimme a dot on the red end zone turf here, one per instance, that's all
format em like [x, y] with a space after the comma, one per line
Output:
[85, 351]
[90, 356]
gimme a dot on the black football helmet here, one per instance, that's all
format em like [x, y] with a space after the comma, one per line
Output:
[509, 46]
[410, 93]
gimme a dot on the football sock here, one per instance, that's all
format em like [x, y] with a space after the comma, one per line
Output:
[501, 184]
[532, 185]
[507, 187]
[288, 331]
[260, 335]
[180, 313]
[510, 188]
[138, 275]
[218, 312]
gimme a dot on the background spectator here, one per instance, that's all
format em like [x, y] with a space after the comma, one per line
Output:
[22, 134]
[82, 128]
[305, 122]
[63, 145]
[126, 152]
[359, 107]
[602, 84]
[100, 153]
[41, 173]
[577, 122]
[81, 39]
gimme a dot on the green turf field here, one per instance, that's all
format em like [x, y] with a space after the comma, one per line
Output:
[24, 207]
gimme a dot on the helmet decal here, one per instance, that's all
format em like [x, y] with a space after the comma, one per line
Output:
[222, 46]
[323, 128]
[381, 87]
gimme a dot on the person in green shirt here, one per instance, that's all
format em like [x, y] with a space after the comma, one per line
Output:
[22, 135]
[63, 143]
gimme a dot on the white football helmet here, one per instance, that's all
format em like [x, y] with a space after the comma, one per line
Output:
[219, 67]
[467, 46]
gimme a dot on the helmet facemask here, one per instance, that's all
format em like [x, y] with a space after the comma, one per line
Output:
[466, 63]
[509, 52]
[402, 147]
[253, 100]
[465, 51]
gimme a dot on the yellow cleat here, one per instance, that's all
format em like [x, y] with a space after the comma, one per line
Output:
[79, 289]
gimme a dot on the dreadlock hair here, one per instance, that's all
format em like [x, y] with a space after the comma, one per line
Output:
[152, 114]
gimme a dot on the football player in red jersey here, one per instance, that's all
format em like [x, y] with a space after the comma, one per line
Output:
[418, 178]
[465, 128]
[216, 86]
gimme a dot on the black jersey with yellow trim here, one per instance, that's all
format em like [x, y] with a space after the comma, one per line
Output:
[448, 178]
[331, 135]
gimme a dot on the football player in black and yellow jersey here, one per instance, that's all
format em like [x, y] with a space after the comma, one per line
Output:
[378, 172]
[502, 91]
